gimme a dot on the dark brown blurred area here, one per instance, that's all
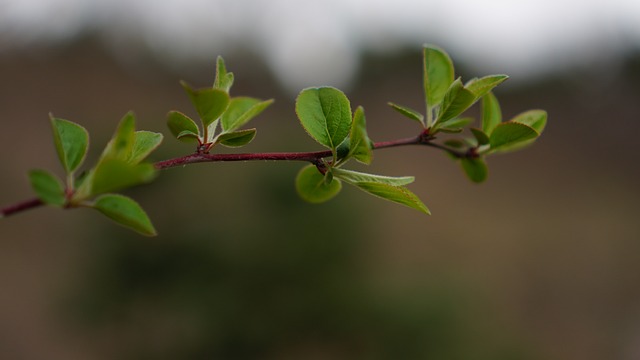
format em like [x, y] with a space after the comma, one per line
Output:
[540, 262]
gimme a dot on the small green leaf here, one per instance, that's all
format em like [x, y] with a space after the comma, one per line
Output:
[480, 87]
[342, 152]
[188, 136]
[454, 125]
[182, 127]
[481, 137]
[325, 113]
[71, 141]
[113, 174]
[397, 194]
[438, 74]
[456, 122]
[456, 101]
[475, 169]
[408, 112]
[121, 144]
[143, 144]
[126, 212]
[240, 111]
[537, 119]
[237, 138]
[314, 187]
[359, 142]
[48, 187]
[211, 131]
[355, 177]
[210, 103]
[510, 134]
[224, 79]
[491, 114]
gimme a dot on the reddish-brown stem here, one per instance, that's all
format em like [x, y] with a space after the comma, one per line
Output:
[20, 207]
[312, 157]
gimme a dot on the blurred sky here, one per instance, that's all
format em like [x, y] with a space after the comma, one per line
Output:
[523, 38]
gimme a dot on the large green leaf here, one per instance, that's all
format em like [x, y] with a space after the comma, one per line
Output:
[48, 187]
[456, 100]
[126, 212]
[537, 119]
[359, 142]
[210, 103]
[325, 113]
[475, 169]
[355, 177]
[224, 79]
[482, 86]
[237, 138]
[121, 144]
[71, 141]
[397, 194]
[491, 114]
[240, 111]
[314, 187]
[509, 134]
[182, 127]
[114, 174]
[408, 112]
[438, 74]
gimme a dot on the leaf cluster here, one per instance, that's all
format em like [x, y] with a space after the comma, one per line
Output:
[326, 115]
[120, 166]
[447, 99]
[221, 116]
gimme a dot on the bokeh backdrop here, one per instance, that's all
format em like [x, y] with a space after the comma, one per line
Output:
[540, 262]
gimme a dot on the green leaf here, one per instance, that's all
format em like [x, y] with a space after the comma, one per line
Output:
[325, 113]
[408, 112]
[237, 138]
[121, 144]
[182, 127]
[224, 79]
[114, 174]
[475, 169]
[210, 103]
[438, 74]
[314, 187]
[48, 187]
[126, 212]
[143, 144]
[510, 134]
[456, 101]
[397, 194]
[71, 141]
[481, 136]
[359, 142]
[211, 131]
[355, 177]
[454, 125]
[537, 119]
[491, 114]
[241, 110]
[480, 87]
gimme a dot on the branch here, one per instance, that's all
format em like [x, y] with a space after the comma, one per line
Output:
[312, 157]
[20, 207]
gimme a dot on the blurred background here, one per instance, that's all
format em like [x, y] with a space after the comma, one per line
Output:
[540, 262]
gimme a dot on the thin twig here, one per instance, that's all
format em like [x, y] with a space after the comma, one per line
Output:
[312, 157]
